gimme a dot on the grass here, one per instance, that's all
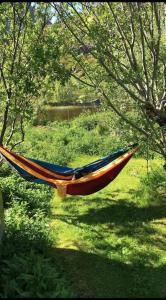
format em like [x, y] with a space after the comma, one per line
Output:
[112, 243]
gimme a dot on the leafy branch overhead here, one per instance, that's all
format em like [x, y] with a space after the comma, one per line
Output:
[120, 50]
[116, 50]
[29, 53]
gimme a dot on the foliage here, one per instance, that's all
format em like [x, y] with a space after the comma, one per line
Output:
[32, 276]
[117, 49]
[71, 92]
[97, 134]
[26, 211]
[29, 54]
[90, 134]
[27, 268]
[35, 196]
[24, 230]
[33, 58]
[153, 185]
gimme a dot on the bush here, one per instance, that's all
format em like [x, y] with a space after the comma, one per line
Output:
[26, 231]
[90, 134]
[26, 271]
[32, 276]
[37, 196]
[153, 185]
[48, 144]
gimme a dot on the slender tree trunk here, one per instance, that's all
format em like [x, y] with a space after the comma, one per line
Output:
[1, 217]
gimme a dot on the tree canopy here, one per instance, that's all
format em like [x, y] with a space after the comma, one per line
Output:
[119, 49]
[29, 54]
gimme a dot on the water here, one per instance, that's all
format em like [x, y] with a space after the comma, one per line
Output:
[63, 112]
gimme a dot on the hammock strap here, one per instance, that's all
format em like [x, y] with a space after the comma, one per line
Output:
[61, 190]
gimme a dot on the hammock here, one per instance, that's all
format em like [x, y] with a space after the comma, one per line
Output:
[73, 181]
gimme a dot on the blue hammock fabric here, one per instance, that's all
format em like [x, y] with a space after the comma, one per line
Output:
[76, 173]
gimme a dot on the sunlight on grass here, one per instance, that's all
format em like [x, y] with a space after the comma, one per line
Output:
[117, 226]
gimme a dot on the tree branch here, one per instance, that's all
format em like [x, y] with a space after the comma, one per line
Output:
[22, 134]
[141, 130]
[143, 52]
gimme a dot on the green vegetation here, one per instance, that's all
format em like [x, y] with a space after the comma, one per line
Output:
[154, 185]
[99, 134]
[27, 268]
[109, 244]
[118, 50]
[112, 243]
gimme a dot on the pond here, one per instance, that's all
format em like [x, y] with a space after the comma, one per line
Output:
[50, 113]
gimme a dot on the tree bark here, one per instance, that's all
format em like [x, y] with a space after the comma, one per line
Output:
[1, 217]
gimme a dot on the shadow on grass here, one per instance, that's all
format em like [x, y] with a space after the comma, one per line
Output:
[118, 213]
[80, 274]
[57, 272]
[124, 220]
[28, 270]
[96, 277]
[123, 212]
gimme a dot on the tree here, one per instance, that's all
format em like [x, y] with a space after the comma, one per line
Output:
[29, 53]
[126, 43]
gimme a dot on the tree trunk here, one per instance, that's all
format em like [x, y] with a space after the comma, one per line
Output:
[1, 217]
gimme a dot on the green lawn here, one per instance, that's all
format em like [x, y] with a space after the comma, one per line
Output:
[112, 243]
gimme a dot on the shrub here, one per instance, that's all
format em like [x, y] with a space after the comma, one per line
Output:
[153, 185]
[32, 276]
[26, 231]
[15, 188]
[91, 134]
